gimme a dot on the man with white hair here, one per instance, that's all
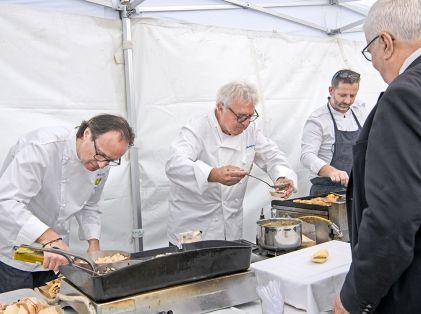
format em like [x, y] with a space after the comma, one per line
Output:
[209, 161]
[385, 184]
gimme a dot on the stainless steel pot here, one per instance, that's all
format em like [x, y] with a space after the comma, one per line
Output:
[279, 233]
[285, 233]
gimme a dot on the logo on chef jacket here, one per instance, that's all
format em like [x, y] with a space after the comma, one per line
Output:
[250, 146]
[98, 179]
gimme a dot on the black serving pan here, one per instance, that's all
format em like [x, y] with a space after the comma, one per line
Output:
[160, 268]
[291, 203]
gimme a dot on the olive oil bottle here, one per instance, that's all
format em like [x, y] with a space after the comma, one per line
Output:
[25, 254]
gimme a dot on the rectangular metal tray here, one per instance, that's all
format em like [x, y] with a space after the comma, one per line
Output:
[160, 268]
[291, 203]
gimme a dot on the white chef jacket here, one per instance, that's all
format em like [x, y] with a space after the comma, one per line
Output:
[317, 144]
[42, 185]
[214, 208]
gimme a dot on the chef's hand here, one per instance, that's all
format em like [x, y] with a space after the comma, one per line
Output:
[54, 261]
[285, 186]
[227, 175]
[93, 245]
[337, 176]
[338, 308]
[50, 239]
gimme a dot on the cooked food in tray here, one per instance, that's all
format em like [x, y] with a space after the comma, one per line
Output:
[322, 201]
[110, 259]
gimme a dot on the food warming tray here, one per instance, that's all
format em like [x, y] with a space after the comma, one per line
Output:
[160, 268]
[290, 202]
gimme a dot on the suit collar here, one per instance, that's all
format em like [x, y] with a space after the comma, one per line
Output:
[411, 61]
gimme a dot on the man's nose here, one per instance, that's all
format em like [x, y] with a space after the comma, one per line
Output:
[245, 123]
[102, 164]
[347, 100]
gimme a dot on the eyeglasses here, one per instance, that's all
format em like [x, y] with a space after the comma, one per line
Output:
[242, 118]
[346, 75]
[101, 158]
[365, 51]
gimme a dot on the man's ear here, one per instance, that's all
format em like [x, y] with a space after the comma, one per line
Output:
[388, 45]
[331, 90]
[87, 133]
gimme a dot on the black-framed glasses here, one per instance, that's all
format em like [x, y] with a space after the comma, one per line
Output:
[101, 158]
[365, 51]
[346, 75]
[242, 118]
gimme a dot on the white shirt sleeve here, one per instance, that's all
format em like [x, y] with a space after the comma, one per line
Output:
[20, 182]
[311, 142]
[183, 167]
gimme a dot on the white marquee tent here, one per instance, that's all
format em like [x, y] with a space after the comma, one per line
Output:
[159, 62]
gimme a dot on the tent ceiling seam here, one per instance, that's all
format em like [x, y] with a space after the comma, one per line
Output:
[260, 9]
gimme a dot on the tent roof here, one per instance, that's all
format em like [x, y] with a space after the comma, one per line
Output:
[306, 17]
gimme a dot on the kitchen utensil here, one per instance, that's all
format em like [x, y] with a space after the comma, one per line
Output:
[279, 233]
[335, 212]
[33, 254]
[311, 219]
[279, 187]
[286, 233]
[163, 267]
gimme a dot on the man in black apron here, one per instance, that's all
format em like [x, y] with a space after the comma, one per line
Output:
[327, 147]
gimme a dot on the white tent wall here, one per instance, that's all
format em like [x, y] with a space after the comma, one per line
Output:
[178, 69]
[60, 69]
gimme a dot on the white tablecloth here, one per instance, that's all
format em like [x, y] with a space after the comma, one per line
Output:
[304, 284]
[255, 308]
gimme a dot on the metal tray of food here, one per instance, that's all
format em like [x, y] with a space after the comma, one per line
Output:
[160, 268]
[293, 202]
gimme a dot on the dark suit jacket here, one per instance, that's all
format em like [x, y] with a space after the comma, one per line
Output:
[385, 274]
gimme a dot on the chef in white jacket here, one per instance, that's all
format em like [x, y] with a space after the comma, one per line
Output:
[49, 176]
[209, 161]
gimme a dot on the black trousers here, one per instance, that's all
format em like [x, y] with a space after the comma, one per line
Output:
[12, 278]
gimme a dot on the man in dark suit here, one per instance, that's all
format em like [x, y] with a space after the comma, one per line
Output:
[385, 185]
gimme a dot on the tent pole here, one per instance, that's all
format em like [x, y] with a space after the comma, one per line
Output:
[137, 232]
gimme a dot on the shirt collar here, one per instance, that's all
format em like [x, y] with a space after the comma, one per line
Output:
[231, 141]
[409, 60]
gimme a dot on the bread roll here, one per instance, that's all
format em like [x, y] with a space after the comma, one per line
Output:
[320, 256]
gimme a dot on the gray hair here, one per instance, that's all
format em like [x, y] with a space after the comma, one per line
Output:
[228, 93]
[401, 18]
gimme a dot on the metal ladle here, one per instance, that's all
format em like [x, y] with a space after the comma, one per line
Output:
[280, 187]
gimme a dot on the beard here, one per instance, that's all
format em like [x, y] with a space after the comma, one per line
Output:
[339, 106]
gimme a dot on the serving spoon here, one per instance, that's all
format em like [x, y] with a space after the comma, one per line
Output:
[280, 187]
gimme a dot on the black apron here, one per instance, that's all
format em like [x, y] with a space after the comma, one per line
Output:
[341, 159]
